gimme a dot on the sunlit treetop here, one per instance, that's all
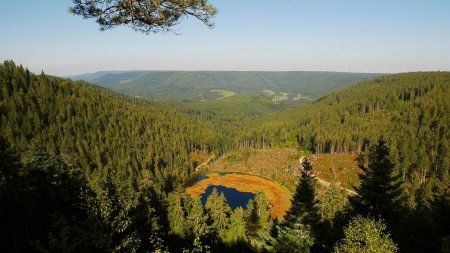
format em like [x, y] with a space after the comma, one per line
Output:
[147, 16]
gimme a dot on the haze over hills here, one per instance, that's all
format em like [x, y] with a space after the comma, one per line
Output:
[291, 87]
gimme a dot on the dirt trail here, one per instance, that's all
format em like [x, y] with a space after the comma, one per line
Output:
[326, 183]
[203, 164]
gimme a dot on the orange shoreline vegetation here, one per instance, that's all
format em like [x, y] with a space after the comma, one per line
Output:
[278, 197]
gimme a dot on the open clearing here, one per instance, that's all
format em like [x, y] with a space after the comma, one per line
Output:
[224, 93]
[339, 169]
[277, 196]
[283, 166]
[248, 169]
[278, 164]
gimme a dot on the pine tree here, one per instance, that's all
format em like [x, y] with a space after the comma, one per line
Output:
[262, 207]
[218, 210]
[176, 215]
[304, 204]
[332, 203]
[197, 219]
[294, 238]
[297, 231]
[237, 231]
[378, 192]
[332, 210]
[257, 215]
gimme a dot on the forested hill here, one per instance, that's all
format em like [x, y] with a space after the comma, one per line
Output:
[411, 110]
[97, 128]
[292, 87]
[55, 131]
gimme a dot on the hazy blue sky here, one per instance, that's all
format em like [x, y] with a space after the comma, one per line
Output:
[345, 35]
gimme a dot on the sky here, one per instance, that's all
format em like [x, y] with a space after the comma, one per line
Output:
[381, 36]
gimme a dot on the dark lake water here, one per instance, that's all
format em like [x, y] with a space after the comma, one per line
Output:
[234, 197]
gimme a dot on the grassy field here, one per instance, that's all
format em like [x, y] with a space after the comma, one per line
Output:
[269, 92]
[277, 196]
[299, 96]
[224, 93]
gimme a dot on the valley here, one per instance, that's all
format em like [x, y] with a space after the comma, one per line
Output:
[198, 126]
[138, 160]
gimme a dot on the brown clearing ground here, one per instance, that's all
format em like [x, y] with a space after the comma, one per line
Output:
[283, 166]
[339, 169]
[277, 196]
[278, 164]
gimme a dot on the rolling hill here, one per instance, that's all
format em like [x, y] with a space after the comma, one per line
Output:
[410, 110]
[296, 87]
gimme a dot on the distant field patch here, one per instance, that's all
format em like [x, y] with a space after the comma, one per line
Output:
[224, 93]
[282, 96]
[269, 92]
[277, 196]
[299, 96]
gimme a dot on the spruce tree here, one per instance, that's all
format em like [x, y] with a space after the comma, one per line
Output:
[262, 207]
[176, 215]
[304, 204]
[378, 192]
[237, 231]
[218, 210]
[197, 218]
[257, 215]
[297, 232]
[294, 238]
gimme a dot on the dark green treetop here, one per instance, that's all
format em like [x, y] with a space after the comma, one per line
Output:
[304, 203]
[379, 190]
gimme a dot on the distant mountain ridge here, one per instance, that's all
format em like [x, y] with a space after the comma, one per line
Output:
[294, 87]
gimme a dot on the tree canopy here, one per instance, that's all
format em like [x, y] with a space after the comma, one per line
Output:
[145, 16]
[366, 235]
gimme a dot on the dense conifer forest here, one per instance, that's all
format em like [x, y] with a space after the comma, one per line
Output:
[409, 110]
[84, 169]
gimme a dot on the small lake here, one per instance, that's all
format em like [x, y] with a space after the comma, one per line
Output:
[239, 188]
[234, 197]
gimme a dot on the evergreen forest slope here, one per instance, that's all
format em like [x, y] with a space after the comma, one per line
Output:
[410, 110]
[99, 130]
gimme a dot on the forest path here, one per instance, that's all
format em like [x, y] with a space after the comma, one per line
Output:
[204, 163]
[323, 182]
